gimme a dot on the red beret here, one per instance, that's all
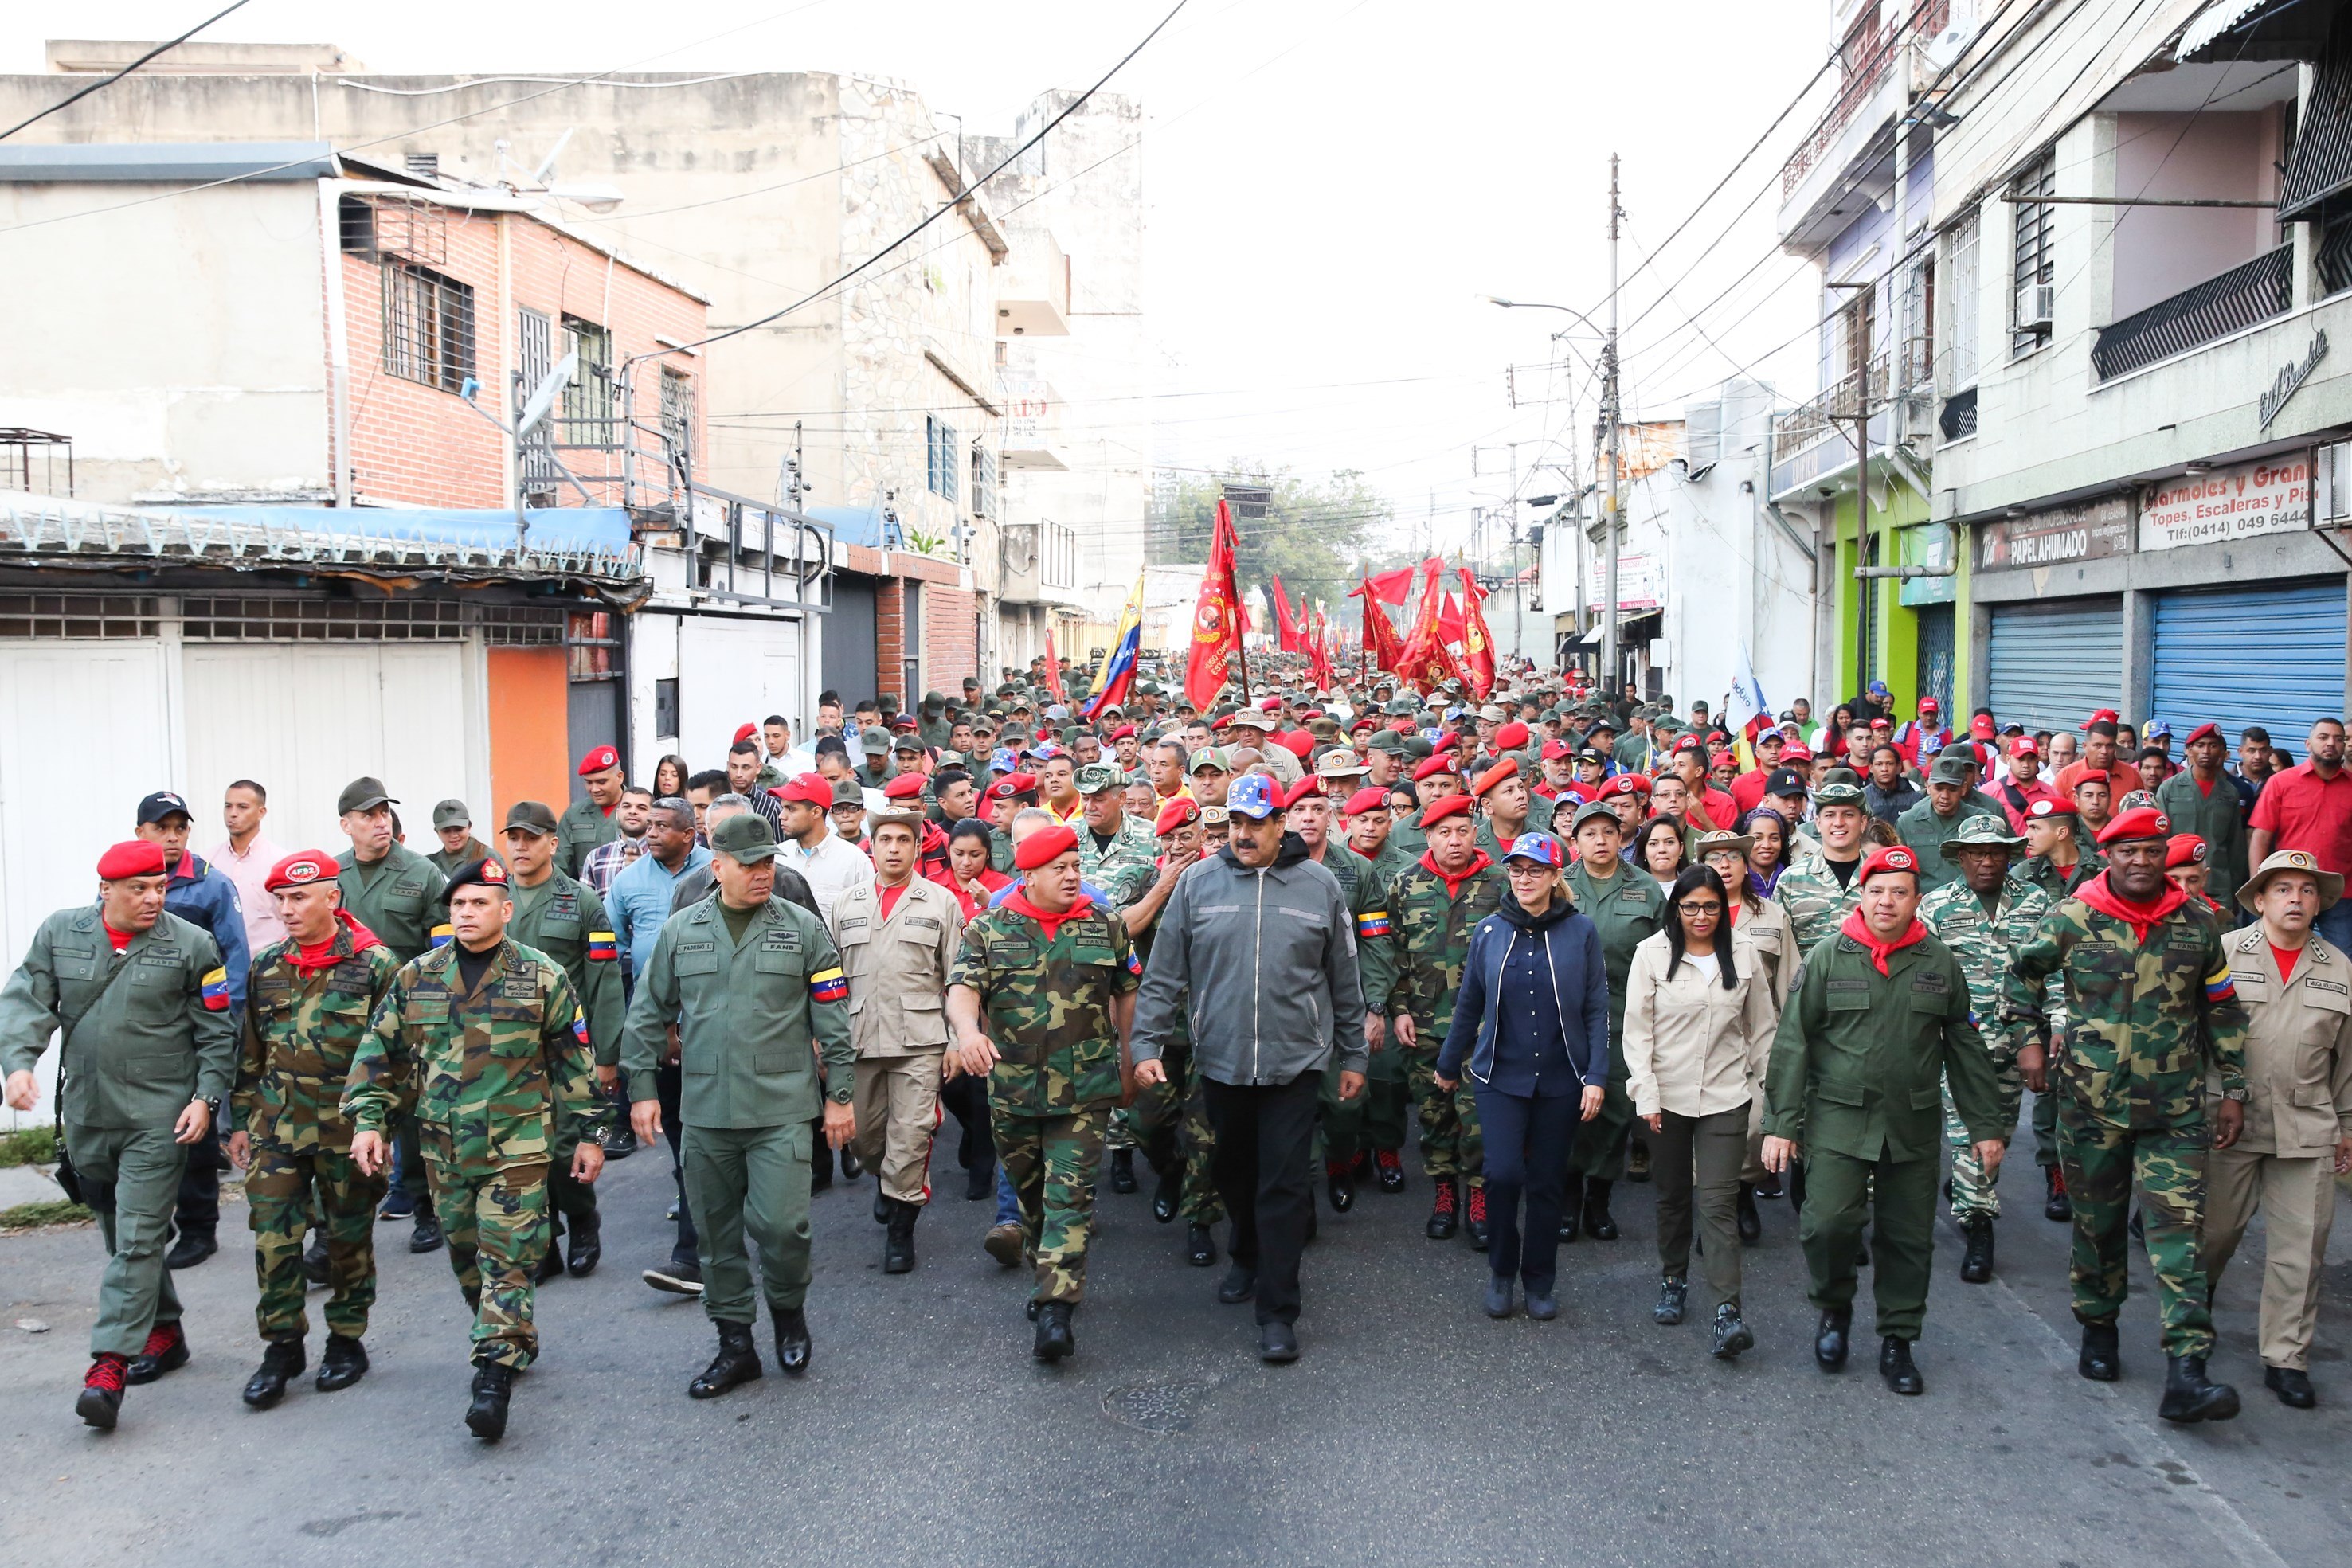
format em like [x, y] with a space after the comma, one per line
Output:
[598, 760]
[1430, 767]
[810, 789]
[1887, 857]
[1044, 845]
[2201, 732]
[744, 733]
[1298, 742]
[1511, 736]
[1271, 705]
[1310, 785]
[1370, 798]
[1178, 811]
[1506, 769]
[1363, 722]
[1309, 713]
[2186, 849]
[1625, 784]
[906, 786]
[1688, 742]
[2051, 806]
[1013, 784]
[131, 857]
[1124, 732]
[1445, 806]
[2139, 822]
[1224, 723]
[300, 869]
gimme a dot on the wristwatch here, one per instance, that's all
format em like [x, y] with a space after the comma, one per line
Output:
[212, 1106]
[2237, 1094]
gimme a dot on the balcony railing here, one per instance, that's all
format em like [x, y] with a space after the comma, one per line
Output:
[2251, 292]
[1839, 405]
[1866, 67]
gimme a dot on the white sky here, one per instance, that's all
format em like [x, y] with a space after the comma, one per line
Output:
[1333, 185]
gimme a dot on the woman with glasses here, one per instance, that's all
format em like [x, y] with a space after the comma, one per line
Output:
[1699, 1020]
[1656, 848]
[1757, 918]
[1531, 1029]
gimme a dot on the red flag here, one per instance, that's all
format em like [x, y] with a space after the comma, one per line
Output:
[1426, 659]
[1477, 642]
[1318, 651]
[1216, 618]
[1053, 667]
[1388, 586]
[1381, 645]
[1450, 623]
[1290, 639]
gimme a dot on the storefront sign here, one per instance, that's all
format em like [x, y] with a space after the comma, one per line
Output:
[2267, 497]
[2291, 379]
[2088, 531]
[1637, 584]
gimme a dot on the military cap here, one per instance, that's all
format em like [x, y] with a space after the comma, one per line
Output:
[452, 814]
[1841, 788]
[848, 792]
[2280, 862]
[600, 759]
[2137, 799]
[1096, 776]
[745, 838]
[532, 816]
[1886, 858]
[1386, 740]
[1420, 747]
[362, 794]
[300, 869]
[1950, 768]
[131, 857]
[1214, 816]
[1445, 806]
[1978, 831]
[487, 873]
[2139, 822]
[1338, 763]
[874, 741]
[1215, 756]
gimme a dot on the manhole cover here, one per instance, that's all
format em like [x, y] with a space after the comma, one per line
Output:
[1156, 1407]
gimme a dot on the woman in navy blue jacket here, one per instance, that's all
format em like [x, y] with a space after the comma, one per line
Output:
[1532, 1023]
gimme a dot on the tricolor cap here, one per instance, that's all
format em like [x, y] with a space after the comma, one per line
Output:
[1254, 795]
[1539, 847]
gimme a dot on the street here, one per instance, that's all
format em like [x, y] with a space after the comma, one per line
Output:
[1414, 1430]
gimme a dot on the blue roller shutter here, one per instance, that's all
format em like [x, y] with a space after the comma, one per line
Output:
[2052, 664]
[2271, 655]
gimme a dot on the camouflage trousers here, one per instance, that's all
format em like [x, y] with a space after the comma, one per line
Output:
[1051, 1161]
[1375, 1119]
[2102, 1163]
[1170, 1123]
[286, 1193]
[1973, 1191]
[1450, 1143]
[495, 1219]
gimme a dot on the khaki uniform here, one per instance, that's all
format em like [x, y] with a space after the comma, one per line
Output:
[2298, 1103]
[897, 969]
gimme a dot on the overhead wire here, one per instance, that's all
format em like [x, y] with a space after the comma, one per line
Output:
[107, 81]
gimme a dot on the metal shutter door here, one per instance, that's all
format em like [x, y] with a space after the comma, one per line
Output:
[2272, 656]
[2052, 664]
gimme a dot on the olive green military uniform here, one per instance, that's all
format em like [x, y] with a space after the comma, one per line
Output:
[1541, 809]
[584, 825]
[2213, 815]
[1925, 834]
[1375, 1118]
[497, 1078]
[1628, 909]
[446, 863]
[399, 899]
[302, 1028]
[1045, 1003]
[1000, 851]
[1856, 1077]
[1983, 941]
[1431, 948]
[755, 1009]
[565, 919]
[148, 1029]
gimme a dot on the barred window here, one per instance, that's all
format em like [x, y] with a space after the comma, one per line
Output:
[983, 481]
[428, 327]
[677, 414]
[295, 618]
[2035, 272]
[80, 616]
[589, 399]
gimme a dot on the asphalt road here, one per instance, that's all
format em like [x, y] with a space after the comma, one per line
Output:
[1413, 1431]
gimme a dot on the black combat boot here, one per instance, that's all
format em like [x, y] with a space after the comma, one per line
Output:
[793, 1342]
[1751, 1224]
[898, 1247]
[1444, 1210]
[282, 1364]
[2188, 1396]
[979, 1181]
[166, 1349]
[1239, 1285]
[486, 1417]
[737, 1360]
[1340, 1177]
[315, 1266]
[2055, 1204]
[426, 1237]
[192, 1249]
[551, 1265]
[585, 1247]
[1673, 1291]
[100, 1400]
[2102, 1359]
[1829, 1338]
[1390, 1163]
[1597, 1221]
[343, 1363]
[1055, 1339]
[1167, 1192]
[881, 1205]
[2292, 1385]
[1199, 1245]
[1975, 1263]
[1894, 1364]
[1122, 1170]
[1476, 1220]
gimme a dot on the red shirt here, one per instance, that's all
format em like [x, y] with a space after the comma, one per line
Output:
[2030, 792]
[2304, 812]
[1747, 791]
[2122, 779]
[1719, 809]
[118, 940]
[891, 897]
[2284, 959]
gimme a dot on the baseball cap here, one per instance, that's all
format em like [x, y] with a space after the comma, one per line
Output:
[1254, 795]
[533, 816]
[161, 804]
[362, 794]
[745, 837]
[452, 814]
[849, 792]
[1539, 847]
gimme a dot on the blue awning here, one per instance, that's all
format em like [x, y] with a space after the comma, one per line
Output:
[129, 162]
[553, 529]
[853, 524]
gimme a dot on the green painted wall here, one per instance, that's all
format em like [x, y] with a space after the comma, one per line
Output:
[1896, 657]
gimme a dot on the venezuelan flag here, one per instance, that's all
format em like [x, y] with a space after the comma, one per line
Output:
[1372, 922]
[602, 947]
[215, 990]
[828, 986]
[2219, 988]
[579, 1026]
[1117, 677]
[1134, 963]
[442, 935]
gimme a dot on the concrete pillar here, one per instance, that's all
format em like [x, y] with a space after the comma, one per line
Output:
[2138, 653]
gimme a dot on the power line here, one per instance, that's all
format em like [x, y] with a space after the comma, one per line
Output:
[101, 85]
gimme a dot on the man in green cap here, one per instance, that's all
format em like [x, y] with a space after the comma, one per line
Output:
[397, 893]
[453, 825]
[1929, 825]
[1821, 890]
[565, 919]
[1625, 903]
[1116, 852]
[755, 988]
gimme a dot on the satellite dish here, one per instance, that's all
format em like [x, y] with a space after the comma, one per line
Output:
[594, 195]
[542, 399]
[546, 170]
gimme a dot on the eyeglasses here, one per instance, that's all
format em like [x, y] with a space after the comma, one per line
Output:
[1710, 907]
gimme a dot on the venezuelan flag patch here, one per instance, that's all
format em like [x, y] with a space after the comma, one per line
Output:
[442, 935]
[1134, 963]
[215, 990]
[602, 947]
[2219, 988]
[828, 986]
[579, 1026]
[1372, 922]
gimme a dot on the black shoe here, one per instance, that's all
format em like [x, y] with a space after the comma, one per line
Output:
[427, 1237]
[343, 1363]
[793, 1342]
[1498, 1300]
[166, 1351]
[1239, 1285]
[1829, 1338]
[2292, 1385]
[584, 1248]
[1598, 1223]
[1770, 1186]
[1339, 1176]
[979, 1181]
[1200, 1245]
[1167, 1191]
[2188, 1396]
[1731, 1334]
[397, 1204]
[100, 1400]
[620, 1141]
[852, 1168]
[1122, 1170]
[1278, 1342]
[1055, 1339]
[1975, 1261]
[2055, 1204]
[738, 1362]
[2102, 1358]
[551, 1267]
[1895, 1366]
[1475, 1219]
[1673, 1291]
[282, 1364]
[192, 1249]
[1751, 1224]
[898, 1247]
[1390, 1163]
[314, 1259]
[679, 1277]
[486, 1417]
[1444, 1210]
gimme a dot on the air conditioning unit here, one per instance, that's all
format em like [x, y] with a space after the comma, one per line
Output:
[2331, 485]
[2035, 306]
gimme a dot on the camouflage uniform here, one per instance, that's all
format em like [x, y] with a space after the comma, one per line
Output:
[1983, 944]
[300, 1031]
[1375, 1117]
[399, 899]
[566, 920]
[1432, 948]
[1628, 909]
[2038, 872]
[496, 1079]
[1817, 905]
[1046, 1006]
[2146, 1016]
[1126, 871]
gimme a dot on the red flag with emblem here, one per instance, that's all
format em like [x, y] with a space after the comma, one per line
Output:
[1216, 618]
[1477, 642]
[1426, 659]
[1381, 644]
[1052, 667]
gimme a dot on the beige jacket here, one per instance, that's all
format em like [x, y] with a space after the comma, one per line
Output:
[1692, 1047]
[1766, 923]
[2299, 1048]
[897, 969]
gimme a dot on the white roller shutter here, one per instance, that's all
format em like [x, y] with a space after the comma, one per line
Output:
[2055, 664]
[731, 673]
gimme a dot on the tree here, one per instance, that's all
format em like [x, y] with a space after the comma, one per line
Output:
[1321, 534]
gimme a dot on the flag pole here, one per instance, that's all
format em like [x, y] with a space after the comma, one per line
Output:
[1233, 595]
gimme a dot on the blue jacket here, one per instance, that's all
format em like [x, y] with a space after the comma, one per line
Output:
[1500, 1040]
[638, 902]
[204, 898]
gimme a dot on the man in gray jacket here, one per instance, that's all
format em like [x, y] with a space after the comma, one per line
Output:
[1259, 938]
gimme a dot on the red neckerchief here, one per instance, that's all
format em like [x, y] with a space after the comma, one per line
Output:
[1880, 952]
[307, 961]
[2139, 916]
[1050, 924]
[1479, 860]
[118, 940]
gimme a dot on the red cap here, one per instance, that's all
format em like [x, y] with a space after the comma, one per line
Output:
[1881, 722]
[1511, 736]
[1298, 742]
[131, 857]
[744, 733]
[1445, 806]
[1306, 713]
[1555, 750]
[1044, 845]
[2139, 822]
[1887, 857]
[2201, 732]
[1013, 784]
[1179, 810]
[1506, 769]
[2186, 849]
[1688, 743]
[905, 787]
[1982, 727]
[1796, 751]
[598, 760]
[300, 869]
[1310, 785]
[1270, 705]
[1370, 798]
[1430, 767]
[2104, 715]
[810, 789]
[2026, 748]
[1124, 732]
[1930, 704]
[1363, 721]
[1625, 784]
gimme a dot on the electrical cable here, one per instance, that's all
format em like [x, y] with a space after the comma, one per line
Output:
[108, 81]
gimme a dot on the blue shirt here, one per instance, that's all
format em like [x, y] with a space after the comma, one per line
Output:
[1086, 889]
[638, 902]
[1529, 1047]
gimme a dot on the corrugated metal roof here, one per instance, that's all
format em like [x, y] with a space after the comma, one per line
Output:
[2212, 21]
[147, 163]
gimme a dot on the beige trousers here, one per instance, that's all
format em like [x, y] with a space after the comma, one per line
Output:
[2297, 1198]
[898, 1104]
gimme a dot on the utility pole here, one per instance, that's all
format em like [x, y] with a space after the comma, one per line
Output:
[1864, 585]
[1613, 414]
[1516, 608]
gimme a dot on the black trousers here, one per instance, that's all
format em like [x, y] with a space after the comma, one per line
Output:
[669, 1084]
[1528, 1141]
[966, 1099]
[198, 1209]
[1263, 1168]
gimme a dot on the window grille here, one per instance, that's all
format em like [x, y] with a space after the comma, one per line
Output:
[428, 327]
[83, 617]
[291, 618]
[2034, 271]
[940, 455]
[588, 401]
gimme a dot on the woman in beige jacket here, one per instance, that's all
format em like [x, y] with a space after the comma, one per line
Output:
[1755, 915]
[1699, 1020]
